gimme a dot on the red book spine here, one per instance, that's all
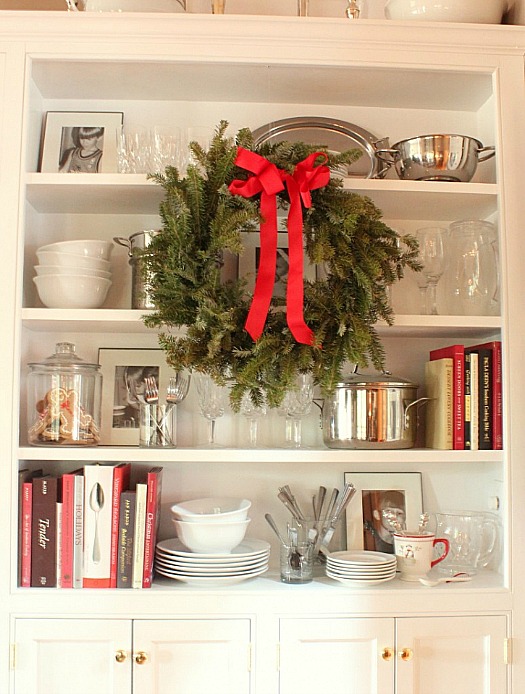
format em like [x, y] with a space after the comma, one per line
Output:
[154, 481]
[43, 533]
[457, 354]
[68, 499]
[497, 391]
[121, 478]
[27, 503]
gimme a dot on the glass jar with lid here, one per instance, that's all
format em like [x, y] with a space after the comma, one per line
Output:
[64, 397]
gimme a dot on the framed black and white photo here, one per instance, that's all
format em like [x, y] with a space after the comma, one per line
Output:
[80, 142]
[123, 385]
[249, 262]
[398, 492]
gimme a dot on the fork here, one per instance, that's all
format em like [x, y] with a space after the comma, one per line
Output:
[178, 387]
[151, 393]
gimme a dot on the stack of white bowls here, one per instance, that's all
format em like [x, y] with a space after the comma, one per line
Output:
[73, 274]
[214, 524]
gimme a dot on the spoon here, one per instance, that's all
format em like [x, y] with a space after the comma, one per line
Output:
[96, 503]
[457, 578]
[273, 526]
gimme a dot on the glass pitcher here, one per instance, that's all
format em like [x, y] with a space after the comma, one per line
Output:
[472, 282]
[473, 539]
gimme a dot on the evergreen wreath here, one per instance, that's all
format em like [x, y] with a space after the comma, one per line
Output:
[202, 221]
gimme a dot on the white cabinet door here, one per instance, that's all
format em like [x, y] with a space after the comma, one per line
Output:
[451, 655]
[194, 656]
[60, 656]
[341, 656]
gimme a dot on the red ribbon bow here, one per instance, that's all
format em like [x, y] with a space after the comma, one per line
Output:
[269, 180]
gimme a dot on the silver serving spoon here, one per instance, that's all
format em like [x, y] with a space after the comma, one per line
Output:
[96, 503]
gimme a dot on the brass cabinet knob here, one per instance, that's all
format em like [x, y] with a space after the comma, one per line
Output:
[387, 653]
[120, 656]
[406, 654]
[140, 657]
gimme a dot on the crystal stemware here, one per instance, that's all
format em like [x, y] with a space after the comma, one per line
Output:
[212, 402]
[301, 398]
[253, 412]
[432, 255]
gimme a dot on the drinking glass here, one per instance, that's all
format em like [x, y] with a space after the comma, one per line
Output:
[300, 401]
[283, 411]
[432, 255]
[253, 412]
[212, 402]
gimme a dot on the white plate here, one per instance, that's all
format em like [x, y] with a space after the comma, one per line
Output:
[209, 580]
[247, 548]
[228, 560]
[355, 582]
[176, 561]
[362, 557]
[362, 572]
[204, 570]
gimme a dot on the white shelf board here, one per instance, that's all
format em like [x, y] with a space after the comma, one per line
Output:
[130, 321]
[428, 199]
[93, 193]
[135, 194]
[252, 456]
[258, 81]
[97, 320]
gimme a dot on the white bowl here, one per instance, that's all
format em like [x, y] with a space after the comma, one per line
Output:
[92, 248]
[71, 270]
[72, 260]
[211, 537]
[473, 11]
[72, 291]
[216, 509]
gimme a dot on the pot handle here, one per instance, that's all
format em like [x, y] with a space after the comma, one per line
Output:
[418, 402]
[381, 154]
[489, 153]
[123, 241]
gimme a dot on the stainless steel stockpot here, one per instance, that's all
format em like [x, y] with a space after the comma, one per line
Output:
[436, 157]
[137, 245]
[371, 412]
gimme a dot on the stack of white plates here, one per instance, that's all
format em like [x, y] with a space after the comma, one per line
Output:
[249, 559]
[361, 567]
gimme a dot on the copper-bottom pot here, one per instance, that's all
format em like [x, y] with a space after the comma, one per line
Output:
[370, 413]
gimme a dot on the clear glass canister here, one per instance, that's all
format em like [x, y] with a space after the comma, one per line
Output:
[472, 278]
[64, 396]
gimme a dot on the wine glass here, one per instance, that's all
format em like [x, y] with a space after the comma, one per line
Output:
[253, 412]
[432, 255]
[283, 411]
[300, 401]
[212, 402]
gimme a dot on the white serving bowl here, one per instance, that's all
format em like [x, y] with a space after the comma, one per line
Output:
[72, 291]
[215, 509]
[210, 537]
[92, 248]
[71, 270]
[72, 260]
[473, 11]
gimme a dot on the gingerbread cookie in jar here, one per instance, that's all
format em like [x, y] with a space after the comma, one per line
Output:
[64, 394]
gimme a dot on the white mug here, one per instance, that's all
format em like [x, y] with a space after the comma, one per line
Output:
[414, 554]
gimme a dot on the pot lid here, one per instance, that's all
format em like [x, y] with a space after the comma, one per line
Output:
[384, 380]
[64, 358]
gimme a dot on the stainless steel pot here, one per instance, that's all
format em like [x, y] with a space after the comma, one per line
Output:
[140, 279]
[370, 412]
[436, 157]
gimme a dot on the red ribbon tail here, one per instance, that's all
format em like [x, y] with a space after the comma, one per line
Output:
[263, 291]
[295, 289]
